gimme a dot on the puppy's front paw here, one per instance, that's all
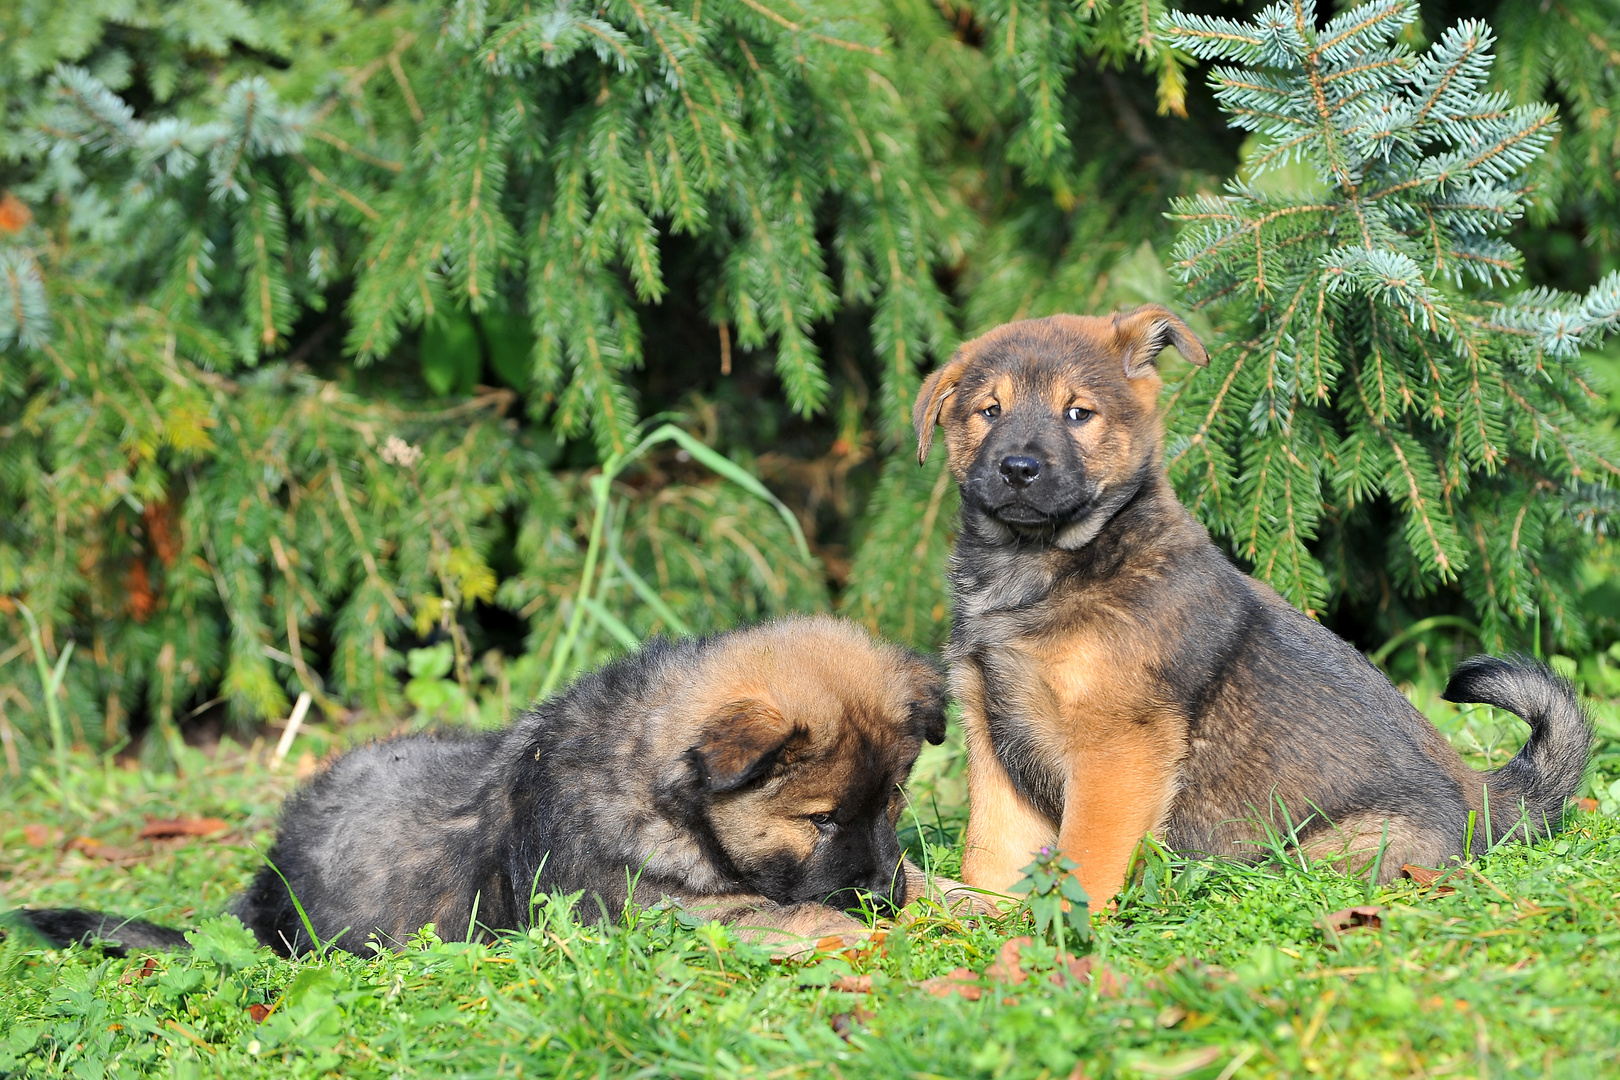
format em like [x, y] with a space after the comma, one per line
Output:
[952, 895]
[800, 929]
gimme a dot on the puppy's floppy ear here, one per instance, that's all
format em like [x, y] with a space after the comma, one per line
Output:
[927, 702]
[1143, 333]
[742, 742]
[928, 715]
[936, 390]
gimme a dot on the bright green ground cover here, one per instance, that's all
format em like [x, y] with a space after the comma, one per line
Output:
[1225, 972]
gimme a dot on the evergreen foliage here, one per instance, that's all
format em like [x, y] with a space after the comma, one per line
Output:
[1570, 51]
[1373, 356]
[317, 321]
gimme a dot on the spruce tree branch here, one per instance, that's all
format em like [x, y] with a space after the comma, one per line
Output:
[1502, 146]
[403, 82]
[609, 40]
[1395, 63]
[1566, 443]
[1251, 543]
[1332, 152]
[267, 321]
[354, 151]
[343, 193]
[681, 82]
[361, 545]
[249, 114]
[1599, 43]
[936, 498]
[1485, 563]
[1416, 503]
[362, 75]
[306, 678]
[1443, 84]
[1277, 151]
[789, 24]
[1215, 405]
[1377, 17]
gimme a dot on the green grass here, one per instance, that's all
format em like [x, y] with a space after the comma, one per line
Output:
[1224, 970]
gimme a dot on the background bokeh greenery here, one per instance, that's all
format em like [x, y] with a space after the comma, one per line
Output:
[322, 316]
[337, 352]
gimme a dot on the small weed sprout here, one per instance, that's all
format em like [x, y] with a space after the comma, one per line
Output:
[1055, 899]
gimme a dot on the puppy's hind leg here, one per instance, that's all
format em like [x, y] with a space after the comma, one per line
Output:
[1376, 846]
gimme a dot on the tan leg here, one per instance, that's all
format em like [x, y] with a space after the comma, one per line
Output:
[1004, 831]
[1117, 794]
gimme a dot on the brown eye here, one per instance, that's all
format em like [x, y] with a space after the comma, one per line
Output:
[990, 412]
[1076, 415]
[824, 822]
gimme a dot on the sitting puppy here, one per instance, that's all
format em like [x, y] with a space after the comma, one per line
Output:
[753, 777]
[1119, 676]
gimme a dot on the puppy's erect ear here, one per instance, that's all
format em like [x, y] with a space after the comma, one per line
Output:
[1143, 333]
[936, 390]
[742, 742]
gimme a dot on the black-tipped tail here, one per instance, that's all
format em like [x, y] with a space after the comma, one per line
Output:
[63, 926]
[1527, 795]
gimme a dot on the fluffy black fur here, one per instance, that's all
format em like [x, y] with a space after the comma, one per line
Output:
[117, 936]
[611, 782]
[1548, 768]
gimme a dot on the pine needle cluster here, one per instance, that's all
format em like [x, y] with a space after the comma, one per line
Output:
[1384, 411]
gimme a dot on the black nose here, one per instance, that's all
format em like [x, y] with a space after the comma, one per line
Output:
[1020, 470]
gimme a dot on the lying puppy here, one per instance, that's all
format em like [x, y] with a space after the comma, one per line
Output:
[753, 777]
[1119, 676]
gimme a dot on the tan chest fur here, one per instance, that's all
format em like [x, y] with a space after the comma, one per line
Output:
[1085, 699]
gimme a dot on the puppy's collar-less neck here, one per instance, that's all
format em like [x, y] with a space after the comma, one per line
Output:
[1011, 571]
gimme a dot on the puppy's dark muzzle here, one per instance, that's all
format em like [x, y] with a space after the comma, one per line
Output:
[882, 898]
[1020, 470]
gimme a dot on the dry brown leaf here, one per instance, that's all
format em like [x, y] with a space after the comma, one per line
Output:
[844, 1023]
[143, 972]
[1429, 878]
[258, 1012]
[961, 981]
[1006, 968]
[853, 984]
[162, 829]
[96, 849]
[1587, 806]
[139, 599]
[14, 214]
[41, 835]
[1082, 969]
[1108, 983]
[854, 946]
[1338, 923]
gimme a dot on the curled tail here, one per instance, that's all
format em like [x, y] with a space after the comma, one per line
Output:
[63, 926]
[1527, 795]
